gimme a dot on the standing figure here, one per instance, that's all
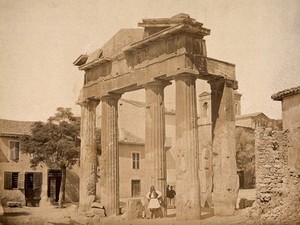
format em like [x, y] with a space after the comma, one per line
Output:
[153, 196]
[168, 191]
[172, 197]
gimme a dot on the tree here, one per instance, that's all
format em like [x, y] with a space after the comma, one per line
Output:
[55, 143]
[245, 154]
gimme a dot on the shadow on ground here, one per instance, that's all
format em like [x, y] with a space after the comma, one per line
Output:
[205, 213]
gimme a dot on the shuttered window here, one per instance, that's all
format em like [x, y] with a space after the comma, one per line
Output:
[16, 180]
[10, 180]
[33, 180]
[14, 150]
[37, 180]
[29, 180]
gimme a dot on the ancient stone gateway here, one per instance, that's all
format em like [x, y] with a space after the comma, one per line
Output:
[166, 49]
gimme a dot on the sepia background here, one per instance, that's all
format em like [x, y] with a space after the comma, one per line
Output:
[39, 41]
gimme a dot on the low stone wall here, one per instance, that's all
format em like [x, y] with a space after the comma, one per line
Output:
[277, 184]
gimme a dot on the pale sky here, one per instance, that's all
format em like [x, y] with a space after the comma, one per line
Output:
[39, 40]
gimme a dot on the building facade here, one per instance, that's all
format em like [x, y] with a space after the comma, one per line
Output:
[19, 182]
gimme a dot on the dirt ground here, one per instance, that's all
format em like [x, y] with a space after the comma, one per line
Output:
[51, 215]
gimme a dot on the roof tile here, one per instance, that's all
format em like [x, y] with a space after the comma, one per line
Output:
[13, 127]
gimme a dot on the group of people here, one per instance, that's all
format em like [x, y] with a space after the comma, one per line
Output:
[156, 202]
[170, 197]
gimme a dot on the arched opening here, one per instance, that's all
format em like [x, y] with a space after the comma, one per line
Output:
[205, 109]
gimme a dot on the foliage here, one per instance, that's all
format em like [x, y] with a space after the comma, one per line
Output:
[245, 155]
[55, 142]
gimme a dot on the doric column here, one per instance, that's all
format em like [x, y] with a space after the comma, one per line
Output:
[187, 162]
[225, 176]
[155, 154]
[88, 154]
[110, 152]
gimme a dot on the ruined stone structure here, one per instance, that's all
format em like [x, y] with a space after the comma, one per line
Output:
[277, 165]
[166, 49]
[205, 143]
[277, 183]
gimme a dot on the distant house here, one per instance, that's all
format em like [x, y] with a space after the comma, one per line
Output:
[132, 148]
[255, 120]
[290, 104]
[18, 181]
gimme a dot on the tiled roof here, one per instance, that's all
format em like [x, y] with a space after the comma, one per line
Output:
[13, 128]
[143, 105]
[128, 138]
[286, 92]
[250, 115]
[205, 93]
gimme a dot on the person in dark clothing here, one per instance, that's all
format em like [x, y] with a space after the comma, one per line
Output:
[172, 194]
[168, 197]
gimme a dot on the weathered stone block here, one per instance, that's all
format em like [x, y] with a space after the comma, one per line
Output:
[135, 209]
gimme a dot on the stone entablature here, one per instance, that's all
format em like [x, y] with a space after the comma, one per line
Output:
[178, 49]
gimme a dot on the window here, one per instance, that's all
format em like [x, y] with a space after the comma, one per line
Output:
[33, 180]
[135, 160]
[11, 180]
[29, 180]
[205, 109]
[14, 147]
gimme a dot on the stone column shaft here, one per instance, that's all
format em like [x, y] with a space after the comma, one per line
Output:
[225, 177]
[155, 136]
[88, 154]
[110, 152]
[187, 162]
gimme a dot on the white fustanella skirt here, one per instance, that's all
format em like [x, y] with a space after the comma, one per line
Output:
[153, 204]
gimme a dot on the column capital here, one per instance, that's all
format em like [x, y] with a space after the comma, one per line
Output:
[88, 102]
[184, 76]
[111, 96]
[157, 84]
[222, 81]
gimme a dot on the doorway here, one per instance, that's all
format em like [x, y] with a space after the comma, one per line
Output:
[54, 181]
[32, 183]
[135, 188]
[241, 179]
